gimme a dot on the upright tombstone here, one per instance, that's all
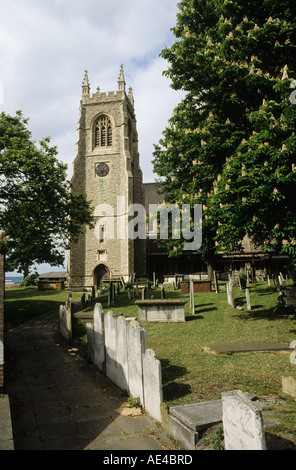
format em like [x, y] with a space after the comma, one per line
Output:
[230, 294]
[242, 423]
[110, 344]
[216, 283]
[122, 354]
[99, 337]
[109, 295]
[152, 382]
[136, 346]
[192, 298]
[65, 315]
[248, 299]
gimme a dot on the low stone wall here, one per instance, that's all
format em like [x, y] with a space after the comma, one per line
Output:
[161, 310]
[117, 346]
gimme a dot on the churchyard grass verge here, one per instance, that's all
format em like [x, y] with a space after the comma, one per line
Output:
[24, 303]
[191, 373]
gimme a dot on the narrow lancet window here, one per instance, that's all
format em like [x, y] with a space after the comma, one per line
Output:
[103, 132]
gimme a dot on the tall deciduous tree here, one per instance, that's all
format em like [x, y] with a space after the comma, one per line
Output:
[235, 61]
[39, 214]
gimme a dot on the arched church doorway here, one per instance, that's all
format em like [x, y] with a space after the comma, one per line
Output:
[101, 272]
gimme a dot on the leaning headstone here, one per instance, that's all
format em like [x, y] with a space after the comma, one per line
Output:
[152, 381]
[248, 299]
[242, 423]
[162, 292]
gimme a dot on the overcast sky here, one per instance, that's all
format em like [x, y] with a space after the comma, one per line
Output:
[46, 45]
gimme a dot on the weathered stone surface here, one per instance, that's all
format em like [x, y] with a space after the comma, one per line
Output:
[152, 382]
[289, 386]
[161, 310]
[242, 423]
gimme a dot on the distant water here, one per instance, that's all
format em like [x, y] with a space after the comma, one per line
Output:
[13, 279]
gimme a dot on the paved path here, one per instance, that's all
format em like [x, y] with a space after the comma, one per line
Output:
[59, 401]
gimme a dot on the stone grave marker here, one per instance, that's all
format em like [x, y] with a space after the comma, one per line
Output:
[242, 423]
[248, 299]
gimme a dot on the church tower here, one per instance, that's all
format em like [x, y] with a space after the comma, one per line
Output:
[106, 169]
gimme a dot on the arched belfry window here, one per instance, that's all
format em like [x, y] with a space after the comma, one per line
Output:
[103, 132]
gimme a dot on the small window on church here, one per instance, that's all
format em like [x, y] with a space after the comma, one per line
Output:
[103, 132]
[101, 233]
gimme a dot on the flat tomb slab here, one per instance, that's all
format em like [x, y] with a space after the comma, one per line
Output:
[256, 346]
[199, 416]
[164, 310]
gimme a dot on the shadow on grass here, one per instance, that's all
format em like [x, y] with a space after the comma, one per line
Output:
[193, 317]
[173, 390]
[274, 313]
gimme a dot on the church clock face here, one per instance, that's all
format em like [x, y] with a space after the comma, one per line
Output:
[102, 169]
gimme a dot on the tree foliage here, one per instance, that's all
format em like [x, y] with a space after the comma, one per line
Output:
[230, 144]
[39, 214]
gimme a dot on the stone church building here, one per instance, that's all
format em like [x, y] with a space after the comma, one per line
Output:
[107, 169]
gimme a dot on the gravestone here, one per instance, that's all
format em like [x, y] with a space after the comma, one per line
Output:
[129, 293]
[242, 423]
[216, 283]
[136, 346]
[152, 382]
[99, 337]
[161, 310]
[230, 297]
[248, 299]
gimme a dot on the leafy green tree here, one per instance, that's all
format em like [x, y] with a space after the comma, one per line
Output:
[233, 60]
[39, 213]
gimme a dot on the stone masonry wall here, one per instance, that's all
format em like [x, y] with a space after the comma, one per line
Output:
[124, 179]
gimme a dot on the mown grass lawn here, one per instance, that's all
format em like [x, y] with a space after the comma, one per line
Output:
[24, 303]
[191, 373]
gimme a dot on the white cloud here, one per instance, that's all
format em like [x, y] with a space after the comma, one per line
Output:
[45, 46]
